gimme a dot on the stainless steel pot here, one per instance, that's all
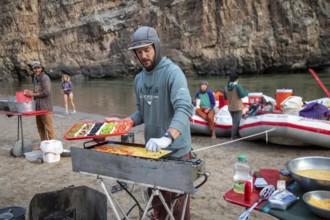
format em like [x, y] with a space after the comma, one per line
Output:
[6, 216]
[17, 212]
[309, 163]
[66, 153]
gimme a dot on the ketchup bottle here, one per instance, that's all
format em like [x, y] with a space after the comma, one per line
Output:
[247, 191]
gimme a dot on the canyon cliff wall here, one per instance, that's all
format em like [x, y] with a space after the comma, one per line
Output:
[206, 37]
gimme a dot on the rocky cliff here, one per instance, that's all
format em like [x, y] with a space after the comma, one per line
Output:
[206, 37]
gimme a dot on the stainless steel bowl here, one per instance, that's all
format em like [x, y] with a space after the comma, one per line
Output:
[66, 153]
[308, 163]
[320, 195]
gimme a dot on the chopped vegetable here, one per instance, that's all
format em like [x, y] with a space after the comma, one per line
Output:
[71, 133]
[107, 128]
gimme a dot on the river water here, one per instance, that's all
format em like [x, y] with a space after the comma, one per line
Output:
[115, 97]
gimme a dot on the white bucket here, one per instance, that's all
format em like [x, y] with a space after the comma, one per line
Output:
[51, 150]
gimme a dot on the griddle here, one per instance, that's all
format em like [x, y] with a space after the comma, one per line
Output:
[167, 172]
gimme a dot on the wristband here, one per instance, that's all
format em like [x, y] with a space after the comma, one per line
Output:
[168, 135]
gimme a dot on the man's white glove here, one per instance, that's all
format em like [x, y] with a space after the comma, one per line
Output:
[156, 144]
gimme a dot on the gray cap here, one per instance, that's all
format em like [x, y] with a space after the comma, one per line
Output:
[143, 37]
[35, 64]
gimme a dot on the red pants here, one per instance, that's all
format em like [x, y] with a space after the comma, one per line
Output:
[209, 117]
[45, 127]
[160, 210]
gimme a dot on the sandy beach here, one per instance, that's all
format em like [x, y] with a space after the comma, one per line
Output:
[20, 179]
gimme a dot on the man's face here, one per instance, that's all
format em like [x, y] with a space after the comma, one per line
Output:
[37, 70]
[146, 55]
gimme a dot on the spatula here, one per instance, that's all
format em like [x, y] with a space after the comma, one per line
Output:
[264, 194]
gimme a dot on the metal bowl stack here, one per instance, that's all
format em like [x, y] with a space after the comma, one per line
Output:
[319, 195]
[309, 163]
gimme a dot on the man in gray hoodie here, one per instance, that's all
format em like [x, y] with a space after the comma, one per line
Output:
[163, 104]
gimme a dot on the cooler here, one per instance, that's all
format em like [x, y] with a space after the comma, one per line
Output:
[222, 101]
[255, 97]
[281, 95]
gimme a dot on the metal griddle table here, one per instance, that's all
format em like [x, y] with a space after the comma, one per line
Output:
[20, 121]
[140, 171]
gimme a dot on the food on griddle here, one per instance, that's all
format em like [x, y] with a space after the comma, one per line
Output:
[74, 130]
[95, 129]
[122, 127]
[131, 151]
[84, 130]
[107, 128]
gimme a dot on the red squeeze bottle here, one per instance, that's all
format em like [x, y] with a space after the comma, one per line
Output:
[247, 191]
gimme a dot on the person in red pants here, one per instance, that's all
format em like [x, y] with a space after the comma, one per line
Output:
[205, 103]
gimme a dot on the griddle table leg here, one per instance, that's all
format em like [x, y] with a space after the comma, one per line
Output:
[109, 198]
[156, 192]
[183, 208]
[20, 127]
[148, 205]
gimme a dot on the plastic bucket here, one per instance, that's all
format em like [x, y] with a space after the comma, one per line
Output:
[255, 97]
[51, 150]
[281, 95]
[20, 97]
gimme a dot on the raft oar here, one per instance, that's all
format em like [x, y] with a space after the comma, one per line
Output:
[319, 82]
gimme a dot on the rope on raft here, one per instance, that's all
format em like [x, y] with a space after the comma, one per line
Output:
[232, 141]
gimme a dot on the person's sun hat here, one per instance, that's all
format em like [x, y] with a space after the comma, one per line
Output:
[143, 37]
[35, 64]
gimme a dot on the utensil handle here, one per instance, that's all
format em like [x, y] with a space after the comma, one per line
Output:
[246, 213]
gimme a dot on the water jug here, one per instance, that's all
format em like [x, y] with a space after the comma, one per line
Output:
[242, 174]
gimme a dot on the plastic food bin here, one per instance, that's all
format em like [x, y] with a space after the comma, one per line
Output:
[22, 106]
[33, 155]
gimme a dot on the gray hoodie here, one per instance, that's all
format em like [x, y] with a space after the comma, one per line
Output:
[163, 101]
